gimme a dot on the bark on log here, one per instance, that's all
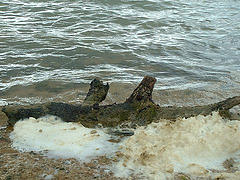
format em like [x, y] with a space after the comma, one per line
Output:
[97, 93]
[143, 93]
[138, 109]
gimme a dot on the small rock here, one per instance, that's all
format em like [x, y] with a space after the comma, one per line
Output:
[67, 162]
[93, 132]
[48, 177]
[8, 177]
[106, 170]
[228, 164]
[114, 140]
[3, 119]
[181, 176]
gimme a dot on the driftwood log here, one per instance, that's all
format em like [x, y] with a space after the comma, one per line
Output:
[138, 109]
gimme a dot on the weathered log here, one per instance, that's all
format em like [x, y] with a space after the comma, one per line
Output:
[143, 93]
[97, 93]
[138, 109]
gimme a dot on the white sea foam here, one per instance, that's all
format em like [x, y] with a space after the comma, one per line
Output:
[61, 139]
[194, 146]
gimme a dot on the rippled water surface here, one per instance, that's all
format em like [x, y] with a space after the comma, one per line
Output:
[51, 50]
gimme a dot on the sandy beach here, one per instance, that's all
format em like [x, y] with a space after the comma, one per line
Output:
[30, 165]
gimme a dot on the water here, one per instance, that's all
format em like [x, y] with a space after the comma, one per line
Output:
[51, 50]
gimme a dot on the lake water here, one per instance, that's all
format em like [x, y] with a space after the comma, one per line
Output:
[51, 50]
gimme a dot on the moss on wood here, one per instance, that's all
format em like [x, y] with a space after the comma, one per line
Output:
[138, 109]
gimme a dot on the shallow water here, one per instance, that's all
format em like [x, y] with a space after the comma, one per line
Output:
[51, 50]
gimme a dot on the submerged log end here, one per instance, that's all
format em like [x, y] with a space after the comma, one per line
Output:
[143, 93]
[228, 103]
[97, 92]
[223, 107]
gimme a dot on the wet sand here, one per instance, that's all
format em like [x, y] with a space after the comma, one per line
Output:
[30, 165]
[15, 165]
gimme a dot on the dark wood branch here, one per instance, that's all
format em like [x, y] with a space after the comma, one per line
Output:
[143, 93]
[228, 103]
[97, 93]
[138, 109]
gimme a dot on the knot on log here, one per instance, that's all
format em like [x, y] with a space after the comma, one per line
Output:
[143, 93]
[97, 93]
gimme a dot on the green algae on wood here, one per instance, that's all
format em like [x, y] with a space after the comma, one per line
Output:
[138, 109]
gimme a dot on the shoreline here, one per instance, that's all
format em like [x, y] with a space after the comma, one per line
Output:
[31, 165]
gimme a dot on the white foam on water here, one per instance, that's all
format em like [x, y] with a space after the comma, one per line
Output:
[193, 146]
[61, 139]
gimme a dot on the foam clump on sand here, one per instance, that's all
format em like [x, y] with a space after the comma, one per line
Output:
[61, 139]
[202, 146]
[196, 146]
